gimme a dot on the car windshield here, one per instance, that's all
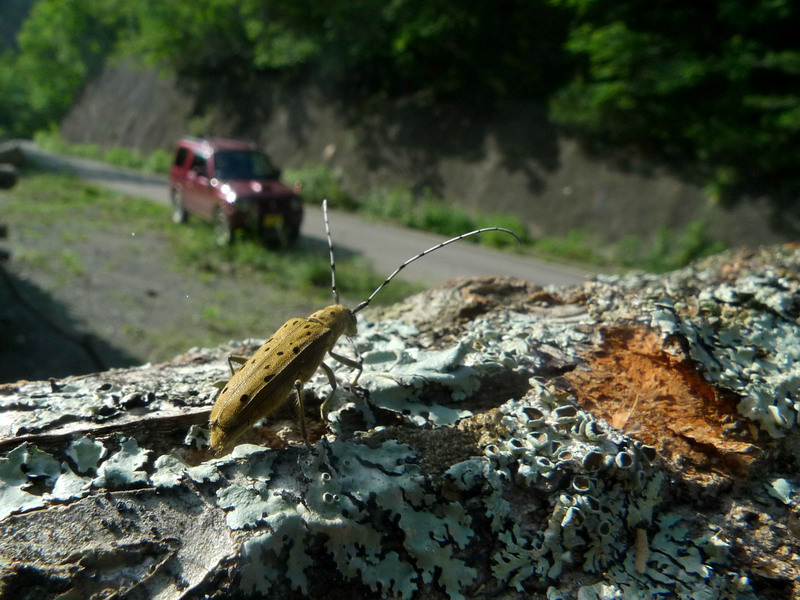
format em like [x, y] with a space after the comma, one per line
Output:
[243, 164]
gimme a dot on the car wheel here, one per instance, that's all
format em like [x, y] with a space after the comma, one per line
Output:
[179, 214]
[291, 233]
[222, 228]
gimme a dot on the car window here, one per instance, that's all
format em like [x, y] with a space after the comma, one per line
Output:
[199, 165]
[243, 164]
[180, 157]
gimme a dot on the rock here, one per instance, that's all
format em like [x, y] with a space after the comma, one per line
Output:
[633, 437]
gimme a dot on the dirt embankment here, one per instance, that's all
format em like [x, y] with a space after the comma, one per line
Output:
[514, 162]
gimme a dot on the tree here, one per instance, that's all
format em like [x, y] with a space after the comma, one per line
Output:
[59, 46]
[714, 82]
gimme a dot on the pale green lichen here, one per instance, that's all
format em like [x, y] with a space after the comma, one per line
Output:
[400, 378]
[360, 500]
[397, 376]
[745, 341]
[123, 468]
[169, 470]
[679, 566]
[75, 402]
[70, 485]
[13, 483]
[781, 489]
[556, 451]
[86, 453]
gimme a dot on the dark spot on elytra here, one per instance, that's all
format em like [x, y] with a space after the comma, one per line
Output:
[244, 398]
[279, 353]
[268, 377]
[296, 350]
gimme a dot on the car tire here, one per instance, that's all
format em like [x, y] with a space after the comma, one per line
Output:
[223, 232]
[291, 234]
[179, 214]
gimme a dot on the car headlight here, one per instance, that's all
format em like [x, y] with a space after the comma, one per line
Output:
[228, 193]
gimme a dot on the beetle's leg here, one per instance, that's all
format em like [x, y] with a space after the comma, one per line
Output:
[301, 412]
[358, 365]
[235, 358]
[323, 408]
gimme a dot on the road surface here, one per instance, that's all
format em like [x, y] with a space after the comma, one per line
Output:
[386, 245]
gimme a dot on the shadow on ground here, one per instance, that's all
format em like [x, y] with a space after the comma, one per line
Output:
[39, 339]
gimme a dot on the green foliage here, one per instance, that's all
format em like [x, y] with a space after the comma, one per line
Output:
[432, 214]
[318, 182]
[577, 245]
[668, 249]
[59, 46]
[156, 162]
[498, 239]
[715, 84]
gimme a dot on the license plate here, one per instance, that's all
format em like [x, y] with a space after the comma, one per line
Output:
[271, 221]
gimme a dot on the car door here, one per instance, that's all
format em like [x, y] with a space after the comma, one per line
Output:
[199, 196]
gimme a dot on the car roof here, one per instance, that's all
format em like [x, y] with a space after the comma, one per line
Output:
[216, 143]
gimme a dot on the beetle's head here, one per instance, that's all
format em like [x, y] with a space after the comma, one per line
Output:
[339, 319]
[351, 323]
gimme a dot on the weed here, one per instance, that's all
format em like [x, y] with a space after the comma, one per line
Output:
[211, 313]
[577, 245]
[71, 237]
[155, 162]
[303, 268]
[667, 249]
[318, 181]
[33, 258]
[72, 264]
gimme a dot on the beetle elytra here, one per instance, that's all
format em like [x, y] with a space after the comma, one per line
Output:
[288, 359]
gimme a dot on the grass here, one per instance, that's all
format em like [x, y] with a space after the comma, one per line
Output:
[53, 197]
[154, 162]
[305, 269]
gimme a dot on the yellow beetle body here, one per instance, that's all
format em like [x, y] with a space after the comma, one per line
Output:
[267, 379]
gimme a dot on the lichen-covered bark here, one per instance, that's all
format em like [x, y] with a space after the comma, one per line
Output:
[633, 437]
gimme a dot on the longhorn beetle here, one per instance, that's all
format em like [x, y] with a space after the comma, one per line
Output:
[290, 357]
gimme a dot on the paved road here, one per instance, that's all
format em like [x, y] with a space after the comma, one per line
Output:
[386, 245]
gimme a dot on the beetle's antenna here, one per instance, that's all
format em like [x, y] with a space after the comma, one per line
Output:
[366, 302]
[330, 250]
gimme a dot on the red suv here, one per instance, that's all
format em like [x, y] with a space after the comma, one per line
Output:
[234, 185]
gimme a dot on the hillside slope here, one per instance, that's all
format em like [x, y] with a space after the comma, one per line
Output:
[514, 162]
